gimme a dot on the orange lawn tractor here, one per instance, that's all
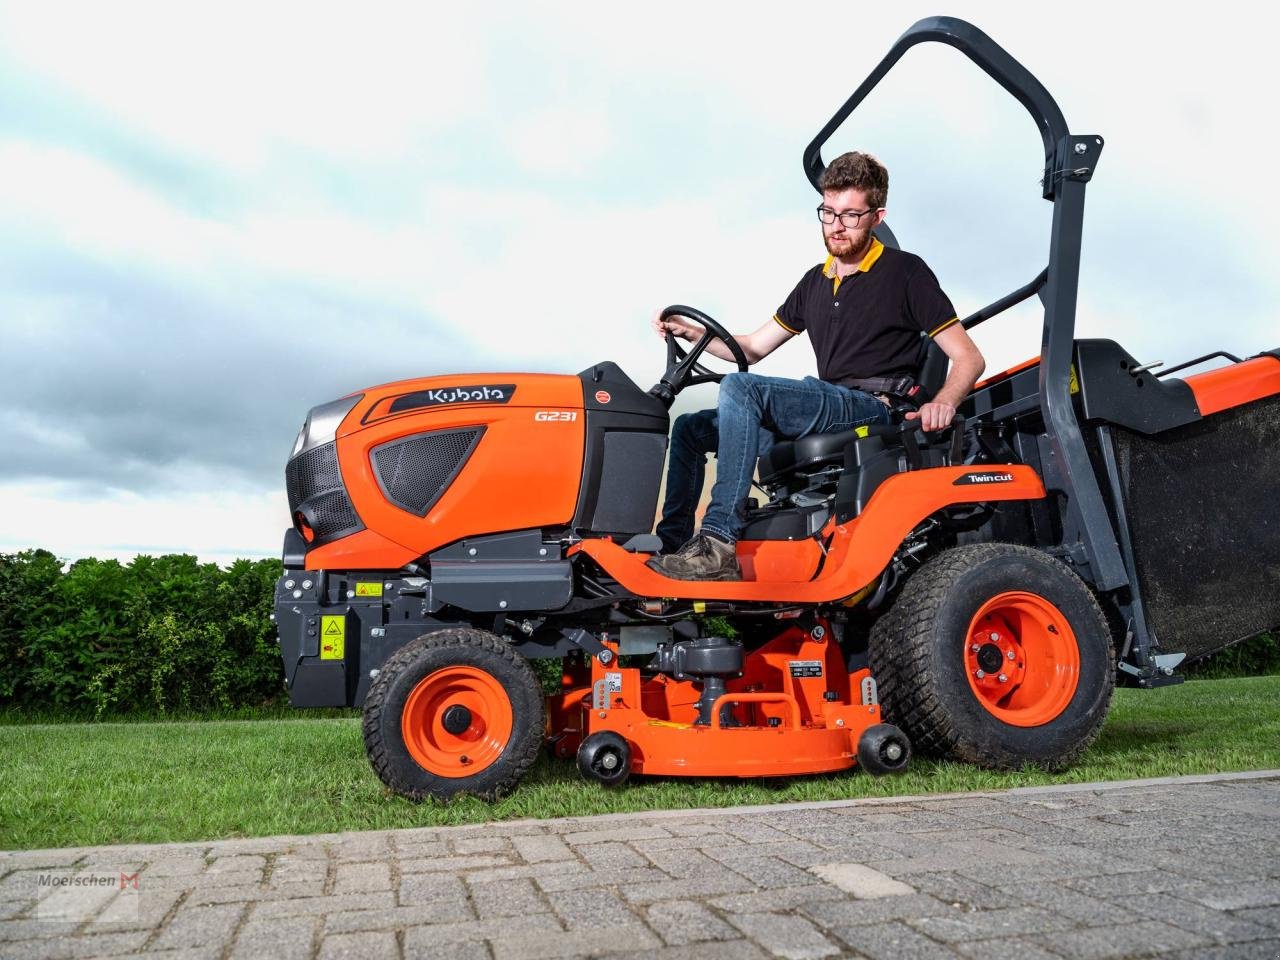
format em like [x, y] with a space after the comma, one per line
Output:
[975, 593]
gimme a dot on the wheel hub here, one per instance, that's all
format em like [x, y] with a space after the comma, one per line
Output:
[1021, 659]
[456, 719]
[990, 658]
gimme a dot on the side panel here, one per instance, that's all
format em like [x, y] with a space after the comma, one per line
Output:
[522, 472]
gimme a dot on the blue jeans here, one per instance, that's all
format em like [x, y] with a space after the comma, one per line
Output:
[693, 436]
[753, 411]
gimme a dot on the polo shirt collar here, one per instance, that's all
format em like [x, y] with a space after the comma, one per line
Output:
[868, 261]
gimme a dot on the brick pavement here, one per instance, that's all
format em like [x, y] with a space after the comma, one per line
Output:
[1188, 867]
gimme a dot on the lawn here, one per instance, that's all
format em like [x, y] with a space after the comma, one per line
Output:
[80, 784]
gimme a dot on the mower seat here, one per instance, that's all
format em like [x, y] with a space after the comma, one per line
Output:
[822, 449]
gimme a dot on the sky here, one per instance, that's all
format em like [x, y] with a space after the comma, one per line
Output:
[214, 217]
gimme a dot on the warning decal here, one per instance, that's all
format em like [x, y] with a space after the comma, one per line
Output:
[333, 637]
[369, 589]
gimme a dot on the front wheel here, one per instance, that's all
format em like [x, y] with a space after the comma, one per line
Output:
[995, 654]
[456, 711]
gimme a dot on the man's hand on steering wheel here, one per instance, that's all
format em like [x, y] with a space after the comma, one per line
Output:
[677, 327]
[683, 369]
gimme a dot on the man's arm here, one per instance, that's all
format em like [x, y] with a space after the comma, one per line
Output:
[756, 345]
[966, 366]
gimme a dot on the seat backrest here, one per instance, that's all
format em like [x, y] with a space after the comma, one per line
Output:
[932, 369]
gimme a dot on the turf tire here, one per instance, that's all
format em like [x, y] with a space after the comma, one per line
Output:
[385, 703]
[916, 653]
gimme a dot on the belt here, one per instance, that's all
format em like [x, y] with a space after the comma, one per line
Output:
[901, 387]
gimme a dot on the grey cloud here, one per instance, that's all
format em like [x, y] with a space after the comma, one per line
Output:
[158, 381]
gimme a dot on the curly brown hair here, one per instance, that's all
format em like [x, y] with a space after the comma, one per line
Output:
[857, 171]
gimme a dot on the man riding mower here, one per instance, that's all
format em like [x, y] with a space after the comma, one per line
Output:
[974, 592]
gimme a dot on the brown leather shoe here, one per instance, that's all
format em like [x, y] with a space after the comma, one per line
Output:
[702, 558]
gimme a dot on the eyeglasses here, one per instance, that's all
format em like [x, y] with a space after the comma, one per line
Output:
[848, 218]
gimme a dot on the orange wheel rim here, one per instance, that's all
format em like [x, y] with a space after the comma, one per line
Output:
[457, 721]
[1022, 659]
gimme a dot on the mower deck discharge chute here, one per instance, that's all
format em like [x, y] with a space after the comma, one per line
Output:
[976, 594]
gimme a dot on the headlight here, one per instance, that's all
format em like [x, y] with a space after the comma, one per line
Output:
[322, 424]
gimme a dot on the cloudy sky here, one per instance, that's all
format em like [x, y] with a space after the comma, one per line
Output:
[213, 217]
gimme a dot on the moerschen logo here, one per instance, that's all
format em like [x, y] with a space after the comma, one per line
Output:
[443, 396]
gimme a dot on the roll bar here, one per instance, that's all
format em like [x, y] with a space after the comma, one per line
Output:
[1068, 166]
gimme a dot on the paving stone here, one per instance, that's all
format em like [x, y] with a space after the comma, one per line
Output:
[195, 926]
[360, 946]
[683, 864]
[507, 898]
[603, 856]
[1127, 884]
[419, 939]
[175, 867]
[1218, 925]
[755, 830]
[614, 835]
[470, 845]
[838, 914]
[893, 941]
[92, 945]
[255, 892]
[687, 889]
[1267, 916]
[362, 878]
[287, 938]
[1254, 950]
[293, 869]
[640, 880]
[236, 864]
[722, 950]
[541, 849]
[420, 849]
[680, 922]
[439, 864]
[1004, 949]
[783, 935]
[425, 887]
[770, 872]
[691, 842]
[785, 898]
[450, 951]
[535, 871]
[586, 909]
[1103, 943]
[327, 904]
[859, 880]
[1233, 896]
[1084, 909]
[985, 924]
[598, 941]
[398, 918]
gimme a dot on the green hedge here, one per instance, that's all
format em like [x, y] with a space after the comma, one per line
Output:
[165, 634]
[157, 634]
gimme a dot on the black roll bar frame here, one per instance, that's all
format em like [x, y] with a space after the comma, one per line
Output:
[1070, 160]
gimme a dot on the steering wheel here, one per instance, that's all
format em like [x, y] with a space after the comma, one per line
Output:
[683, 369]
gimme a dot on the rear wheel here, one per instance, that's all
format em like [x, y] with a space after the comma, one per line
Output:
[457, 711]
[995, 654]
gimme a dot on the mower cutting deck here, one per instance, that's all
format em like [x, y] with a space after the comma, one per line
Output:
[975, 594]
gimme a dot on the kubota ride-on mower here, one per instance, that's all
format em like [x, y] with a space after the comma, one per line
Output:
[975, 593]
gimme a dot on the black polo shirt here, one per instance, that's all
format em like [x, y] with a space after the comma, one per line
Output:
[868, 324]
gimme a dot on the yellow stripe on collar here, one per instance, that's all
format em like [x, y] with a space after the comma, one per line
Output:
[868, 261]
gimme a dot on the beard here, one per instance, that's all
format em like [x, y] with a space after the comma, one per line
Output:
[849, 245]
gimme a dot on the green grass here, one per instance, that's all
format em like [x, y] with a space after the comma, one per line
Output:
[81, 784]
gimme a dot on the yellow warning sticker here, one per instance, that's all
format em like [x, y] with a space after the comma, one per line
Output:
[699, 606]
[1074, 384]
[333, 637]
[369, 589]
[862, 431]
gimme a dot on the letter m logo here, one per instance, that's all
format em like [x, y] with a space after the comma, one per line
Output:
[128, 880]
